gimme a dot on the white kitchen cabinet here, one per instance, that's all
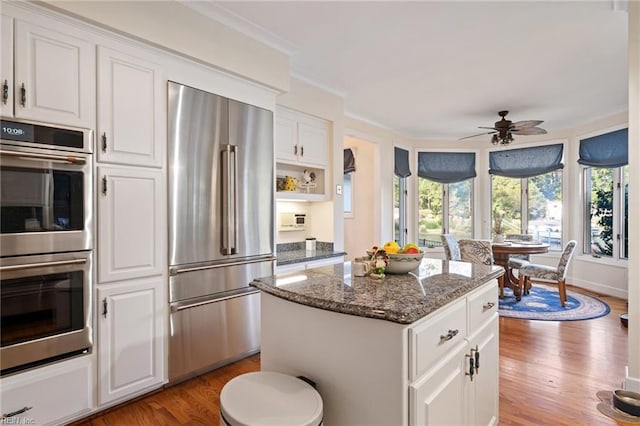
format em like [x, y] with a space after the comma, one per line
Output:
[6, 66]
[301, 138]
[131, 223]
[446, 389]
[424, 365]
[50, 395]
[131, 318]
[54, 73]
[131, 105]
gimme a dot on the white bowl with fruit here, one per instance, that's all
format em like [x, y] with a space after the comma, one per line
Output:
[401, 260]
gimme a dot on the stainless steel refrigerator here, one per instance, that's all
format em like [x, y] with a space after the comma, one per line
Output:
[221, 203]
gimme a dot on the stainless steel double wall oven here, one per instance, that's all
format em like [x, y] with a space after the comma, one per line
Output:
[46, 242]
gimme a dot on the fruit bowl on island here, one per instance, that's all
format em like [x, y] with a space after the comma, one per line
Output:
[400, 260]
[402, 263]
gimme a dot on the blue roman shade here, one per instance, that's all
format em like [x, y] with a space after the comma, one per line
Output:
[608, 150]
[401, 159]
[447, 167]
[526, 162]
[349, 161]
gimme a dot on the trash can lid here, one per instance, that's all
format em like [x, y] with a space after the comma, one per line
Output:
[270, 398]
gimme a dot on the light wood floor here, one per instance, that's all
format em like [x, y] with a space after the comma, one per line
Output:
[549, 375]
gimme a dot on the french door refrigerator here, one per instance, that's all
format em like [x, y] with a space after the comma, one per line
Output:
[221, 204]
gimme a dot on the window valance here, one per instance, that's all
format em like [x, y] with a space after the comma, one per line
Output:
[526, 162]
[608, 150]
[349, 161]
[447, 167]
[401, 158]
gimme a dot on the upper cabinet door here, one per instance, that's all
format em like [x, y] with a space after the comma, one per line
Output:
[301, 138]
[286, 136]
[6, 67]
[54, 75]
[131, 103]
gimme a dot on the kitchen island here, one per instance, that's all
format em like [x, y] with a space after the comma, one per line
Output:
[406, 349]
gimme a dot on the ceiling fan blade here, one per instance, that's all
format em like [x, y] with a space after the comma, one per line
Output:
[529, 131]
[491, 128]
[479, 134]
[525, 124]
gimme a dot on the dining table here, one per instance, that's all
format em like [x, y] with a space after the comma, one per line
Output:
[501, 254]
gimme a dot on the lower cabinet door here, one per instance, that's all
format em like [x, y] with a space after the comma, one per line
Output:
[437, 397]
[130, 337]
[483, 395]
[49, 395]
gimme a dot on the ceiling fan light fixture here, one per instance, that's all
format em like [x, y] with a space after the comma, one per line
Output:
[494, 139]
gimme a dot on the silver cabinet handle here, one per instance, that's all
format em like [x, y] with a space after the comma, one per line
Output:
[5, 92]
[104, 141]
[488, 306]
[23, 96]
[450, 335]
[14, 413]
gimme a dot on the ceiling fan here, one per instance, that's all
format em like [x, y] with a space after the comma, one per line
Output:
[503, 129]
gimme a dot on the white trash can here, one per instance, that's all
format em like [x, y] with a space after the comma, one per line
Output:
[269, 398]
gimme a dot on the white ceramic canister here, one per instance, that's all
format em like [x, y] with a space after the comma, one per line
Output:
[310, 244]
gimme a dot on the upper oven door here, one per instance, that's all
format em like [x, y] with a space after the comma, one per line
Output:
[45, 201]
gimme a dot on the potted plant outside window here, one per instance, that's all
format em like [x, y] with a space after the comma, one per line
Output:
[498, 230]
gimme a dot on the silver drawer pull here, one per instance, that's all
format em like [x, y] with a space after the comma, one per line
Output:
[450, 335]
[13, 414]
[488, 306]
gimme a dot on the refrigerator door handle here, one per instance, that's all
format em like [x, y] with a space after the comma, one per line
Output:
[180, 306]
[229, 200]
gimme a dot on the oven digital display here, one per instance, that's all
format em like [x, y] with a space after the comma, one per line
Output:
[18, 131]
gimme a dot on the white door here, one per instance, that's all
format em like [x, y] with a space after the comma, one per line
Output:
[131, 102]
[483, 400]
[6, 67]
[313, 141]
[54, 75]
[131, 223]
[286, 136]
[130, 337]
[438, 397]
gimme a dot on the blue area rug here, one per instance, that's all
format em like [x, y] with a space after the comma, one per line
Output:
[543, 303]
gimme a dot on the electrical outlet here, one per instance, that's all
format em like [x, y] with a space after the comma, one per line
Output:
[339, 189]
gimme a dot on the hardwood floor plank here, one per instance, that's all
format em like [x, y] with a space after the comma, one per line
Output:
[549, 374]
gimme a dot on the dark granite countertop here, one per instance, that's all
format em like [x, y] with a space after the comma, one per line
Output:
[402, 298]
[289, 253]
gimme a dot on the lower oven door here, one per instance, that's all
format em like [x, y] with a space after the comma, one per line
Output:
[45, 308]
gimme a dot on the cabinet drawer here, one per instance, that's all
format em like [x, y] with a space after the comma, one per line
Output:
[482, 305]
[51, 394]
[434, 338]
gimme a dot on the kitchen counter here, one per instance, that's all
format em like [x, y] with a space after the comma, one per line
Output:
[412, 333]
[398, 298]
[289, 253]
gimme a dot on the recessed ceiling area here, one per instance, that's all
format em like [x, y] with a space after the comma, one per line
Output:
[438, 70]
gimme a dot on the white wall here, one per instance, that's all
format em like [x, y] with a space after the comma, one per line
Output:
[360, 228]
[632, 381]
[196, 36]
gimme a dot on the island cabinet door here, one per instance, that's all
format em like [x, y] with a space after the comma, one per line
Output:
[482, 392]
[436, 398]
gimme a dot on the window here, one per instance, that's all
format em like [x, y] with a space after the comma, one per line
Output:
[401, 173]
[606, 186]
[347, 194]
[606, 218]
[526, 191]
[530, 206]
[445, 196]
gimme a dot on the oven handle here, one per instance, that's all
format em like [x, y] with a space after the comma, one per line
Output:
[68, 159]
[42, 265]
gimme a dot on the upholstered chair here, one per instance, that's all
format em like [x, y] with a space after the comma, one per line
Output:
[517, 261]
[476, 251]
[451, 247]
[550, 273]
